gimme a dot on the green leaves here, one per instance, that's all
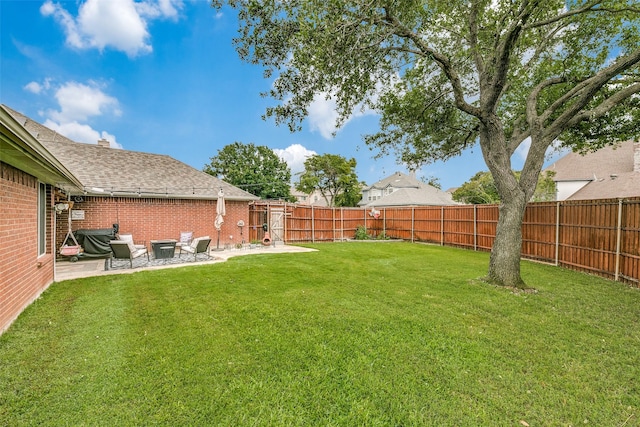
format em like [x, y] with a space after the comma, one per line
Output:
[255, 169]
[481, 189]
[334, 176]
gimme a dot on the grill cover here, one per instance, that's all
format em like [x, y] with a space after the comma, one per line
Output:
[95, 242]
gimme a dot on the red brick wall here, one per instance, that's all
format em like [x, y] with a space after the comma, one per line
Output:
[151, 219]
[23, 274]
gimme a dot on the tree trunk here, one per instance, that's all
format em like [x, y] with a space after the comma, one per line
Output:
[504, 264]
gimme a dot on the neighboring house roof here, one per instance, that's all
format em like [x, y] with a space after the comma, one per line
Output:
[626, 184]
[397, 180]
[21, 150]
[599, 164]
[408, 191]
[610, 172]
[103, 171]
[424, 196]
[312, 199]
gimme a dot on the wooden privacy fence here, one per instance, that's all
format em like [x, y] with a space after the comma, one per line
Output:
[595, 236]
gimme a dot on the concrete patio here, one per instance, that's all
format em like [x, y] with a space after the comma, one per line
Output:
[88, 267]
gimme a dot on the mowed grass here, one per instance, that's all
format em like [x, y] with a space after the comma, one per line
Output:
[356, 334]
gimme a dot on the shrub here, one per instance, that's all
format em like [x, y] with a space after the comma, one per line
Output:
[361, 233]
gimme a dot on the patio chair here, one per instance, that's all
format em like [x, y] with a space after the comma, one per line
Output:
[199, 245]
[126, 250]
[129, 238]
[186, 237]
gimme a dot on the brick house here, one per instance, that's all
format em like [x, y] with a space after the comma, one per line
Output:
[148, 195]
[29, 175]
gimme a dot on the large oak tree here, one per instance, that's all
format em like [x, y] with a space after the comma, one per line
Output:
[446, 75]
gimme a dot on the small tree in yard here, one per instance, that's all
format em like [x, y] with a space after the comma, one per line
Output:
[334, 176]
[446, 75]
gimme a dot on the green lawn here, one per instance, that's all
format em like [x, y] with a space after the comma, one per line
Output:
[356, 334]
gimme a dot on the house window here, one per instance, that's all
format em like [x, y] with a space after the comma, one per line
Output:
[42, 218]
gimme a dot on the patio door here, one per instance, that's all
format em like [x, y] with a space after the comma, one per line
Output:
[277, 224]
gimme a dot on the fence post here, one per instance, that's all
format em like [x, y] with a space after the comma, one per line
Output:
[364, 213]
[557, 233]
[413, 219]
[342, 224]
[442, 226]
[313, 226]
[384, 222]
[618, 240]
[333, 222]
[475, 227]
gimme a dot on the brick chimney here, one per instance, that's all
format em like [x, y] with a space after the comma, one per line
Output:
[104, 143]
[636, 156]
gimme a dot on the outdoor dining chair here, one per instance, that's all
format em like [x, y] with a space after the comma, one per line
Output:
[197, 246]
[125, 250]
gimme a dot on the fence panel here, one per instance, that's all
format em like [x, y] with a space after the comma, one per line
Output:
[352, 219]
[398, 223]
[539, 232]
[299, 225]
[587, 238]
[629, 266]
[459, 226]
[427, 224]
[596, 236]
[486, 225]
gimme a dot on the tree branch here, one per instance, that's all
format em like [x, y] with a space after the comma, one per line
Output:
[606, 105]
[584, 92]
[473, 37]
[443, 62]
[586, 8]
[503, 52]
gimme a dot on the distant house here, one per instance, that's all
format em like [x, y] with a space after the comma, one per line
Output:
[148, 195]
[313, 199]
[404, 190]
[29, 175]
[611, 172]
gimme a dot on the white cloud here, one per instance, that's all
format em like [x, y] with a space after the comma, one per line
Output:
[81, 133]
[118, 24]
[38, 88]
[294, 155]
[323, 116]
[79, 102]
[33, 87]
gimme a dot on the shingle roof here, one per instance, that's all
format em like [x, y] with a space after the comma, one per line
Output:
[623, 185]
[410, 192]
[599, 164]
[609, 171]
[425, 196]
[397, 180]
[103, 170]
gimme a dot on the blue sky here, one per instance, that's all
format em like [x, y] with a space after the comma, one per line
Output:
[162, 76]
